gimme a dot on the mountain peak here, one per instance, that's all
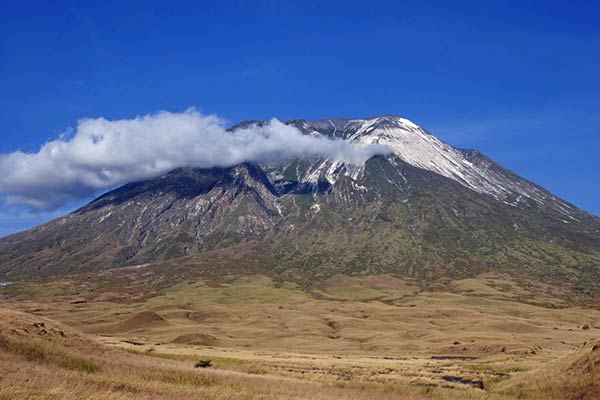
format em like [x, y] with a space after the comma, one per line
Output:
[419, 148]
[392, 120]
[427, 210]
[340, 123]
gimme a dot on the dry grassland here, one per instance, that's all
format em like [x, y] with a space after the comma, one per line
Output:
[345, 338]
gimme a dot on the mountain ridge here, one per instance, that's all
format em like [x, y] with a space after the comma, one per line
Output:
[414, 213]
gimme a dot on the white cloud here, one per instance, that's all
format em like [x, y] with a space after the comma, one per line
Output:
[102, 154]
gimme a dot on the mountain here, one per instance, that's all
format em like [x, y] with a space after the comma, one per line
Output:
[428, 211]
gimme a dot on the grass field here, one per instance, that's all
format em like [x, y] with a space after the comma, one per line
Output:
[378, 337]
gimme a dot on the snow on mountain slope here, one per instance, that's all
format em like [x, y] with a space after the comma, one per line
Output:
[421, 149]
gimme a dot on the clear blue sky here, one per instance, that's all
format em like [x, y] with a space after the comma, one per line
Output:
[518, 80]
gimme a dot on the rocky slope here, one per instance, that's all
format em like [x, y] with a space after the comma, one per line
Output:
[427, 211]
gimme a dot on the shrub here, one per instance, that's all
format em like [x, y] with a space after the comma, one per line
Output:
[203, 364]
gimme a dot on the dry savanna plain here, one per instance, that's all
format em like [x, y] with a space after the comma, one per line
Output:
[129, 334]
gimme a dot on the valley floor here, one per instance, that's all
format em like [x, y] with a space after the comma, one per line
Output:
[121, 335]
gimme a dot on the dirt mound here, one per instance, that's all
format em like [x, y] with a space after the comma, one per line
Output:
[586, 360]
[362, 288]
[378, 282]
[512, 326]
[22, 326]
[206, 315]
[437, 288]
[196, 339]
[38, 342]
[145, 319]
[576, 376]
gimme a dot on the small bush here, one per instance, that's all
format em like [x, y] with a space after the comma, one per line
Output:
[203, 364]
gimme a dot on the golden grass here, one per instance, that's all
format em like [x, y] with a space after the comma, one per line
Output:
[37, 350]
[270, 341]
[26, 375]
[575, 376]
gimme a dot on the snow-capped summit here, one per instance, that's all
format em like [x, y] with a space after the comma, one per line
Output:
[420, 148]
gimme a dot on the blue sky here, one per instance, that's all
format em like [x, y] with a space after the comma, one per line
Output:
[517, 80]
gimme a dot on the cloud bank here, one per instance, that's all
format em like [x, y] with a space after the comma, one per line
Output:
[101, 154]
